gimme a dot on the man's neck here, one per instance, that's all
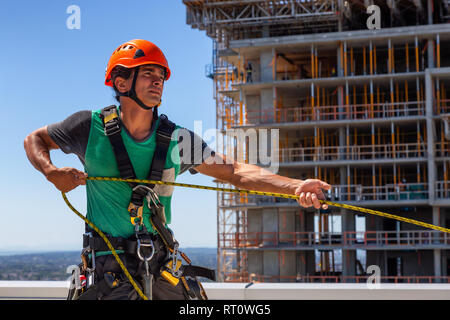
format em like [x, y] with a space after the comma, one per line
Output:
[137, 120]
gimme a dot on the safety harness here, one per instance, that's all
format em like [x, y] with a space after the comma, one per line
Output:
[144, 244]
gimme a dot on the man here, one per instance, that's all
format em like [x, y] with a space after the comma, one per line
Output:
[126, 141]
[249, 70]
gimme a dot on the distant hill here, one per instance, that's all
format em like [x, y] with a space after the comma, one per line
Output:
[53, 265]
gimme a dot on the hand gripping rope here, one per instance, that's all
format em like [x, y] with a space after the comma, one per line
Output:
[241, 191]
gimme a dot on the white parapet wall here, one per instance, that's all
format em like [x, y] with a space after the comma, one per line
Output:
[257, 291]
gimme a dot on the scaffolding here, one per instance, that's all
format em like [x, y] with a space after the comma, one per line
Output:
[366, 111]
[232, 20]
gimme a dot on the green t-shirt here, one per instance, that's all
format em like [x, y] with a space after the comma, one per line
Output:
[107, 201]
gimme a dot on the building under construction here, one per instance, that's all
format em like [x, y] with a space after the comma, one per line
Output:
[366, 110]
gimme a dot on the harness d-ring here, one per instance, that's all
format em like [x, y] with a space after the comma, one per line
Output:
[138, 250]
[147, 277]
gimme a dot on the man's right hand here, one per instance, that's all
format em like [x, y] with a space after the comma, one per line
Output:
[66, 178]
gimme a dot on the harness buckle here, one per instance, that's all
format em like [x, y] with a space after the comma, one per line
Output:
[172, 270]
[167, 272]
[135, 208]
[112, 128]
[135, 214]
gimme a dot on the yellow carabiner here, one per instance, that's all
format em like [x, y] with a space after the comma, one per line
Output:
[135, 213]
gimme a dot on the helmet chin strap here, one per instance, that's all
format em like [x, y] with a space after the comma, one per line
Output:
[132, 94]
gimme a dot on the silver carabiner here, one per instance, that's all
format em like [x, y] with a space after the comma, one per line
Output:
[176, 272]
[138, 250]
[152, 196]
[90, 271]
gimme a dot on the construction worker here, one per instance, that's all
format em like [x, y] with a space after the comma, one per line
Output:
[249, 70]
[333, 72]
[133, 141]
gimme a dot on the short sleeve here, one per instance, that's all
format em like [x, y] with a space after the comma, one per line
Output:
[193, 150]
[72, 134]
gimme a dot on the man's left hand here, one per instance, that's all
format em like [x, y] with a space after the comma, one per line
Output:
[310, 192]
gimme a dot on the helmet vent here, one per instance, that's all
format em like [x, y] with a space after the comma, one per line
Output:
[139, 53]
[125, 47]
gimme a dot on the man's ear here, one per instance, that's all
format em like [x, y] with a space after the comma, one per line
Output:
[123, 85]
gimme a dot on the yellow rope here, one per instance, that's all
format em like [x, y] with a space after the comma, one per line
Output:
[279, 195]
[271, 194]
[387, 215]
[111, 248]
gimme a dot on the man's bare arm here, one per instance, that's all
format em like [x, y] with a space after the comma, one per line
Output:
[252, 177]
[37, 147]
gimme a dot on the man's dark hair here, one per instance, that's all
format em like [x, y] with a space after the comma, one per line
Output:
[122, 72]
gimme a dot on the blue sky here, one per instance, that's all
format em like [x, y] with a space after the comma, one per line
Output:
[48, 72]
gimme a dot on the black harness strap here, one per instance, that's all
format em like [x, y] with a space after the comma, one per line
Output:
[163, 138]
[164, 132]
[113, 127]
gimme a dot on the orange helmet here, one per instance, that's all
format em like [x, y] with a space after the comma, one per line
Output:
[136, 53]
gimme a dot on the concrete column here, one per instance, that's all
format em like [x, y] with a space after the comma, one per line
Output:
[348, 263]
[342, 146]
[254, 220]
[430, 11]
[255, 263]
[270, 225]
[348, 220]
[348, 256]
[341, 14]
[430, 51]
[436, 216]
[305, 259]
[267, 110]
[305, 221]
[339, 62]
[266, 59]
[253, 108]
[299, 221]
[271, 265]
[437, 253]
[254, 257]
[437, 263]
[287, 265]
[306, 263]
[347, 217]
[431, 137]
[238, 251]
[286, 224]
[444, 255]
[340, 93]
